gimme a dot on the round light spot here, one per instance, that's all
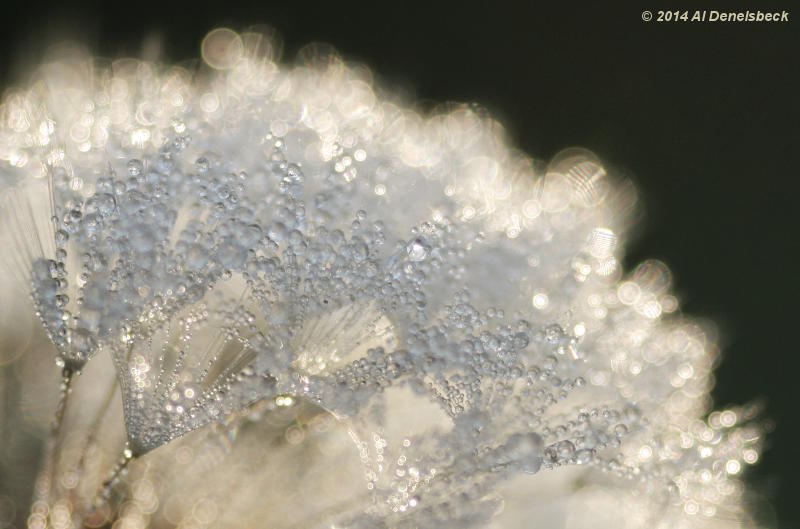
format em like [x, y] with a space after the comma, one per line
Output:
[222, 48]
[540, 300]
[629, 293]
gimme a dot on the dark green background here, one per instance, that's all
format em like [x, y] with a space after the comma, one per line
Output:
[704, 117]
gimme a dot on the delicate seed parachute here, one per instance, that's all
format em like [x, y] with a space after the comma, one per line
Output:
[323, 309]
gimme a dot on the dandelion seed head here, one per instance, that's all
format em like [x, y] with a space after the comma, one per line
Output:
[263, 236]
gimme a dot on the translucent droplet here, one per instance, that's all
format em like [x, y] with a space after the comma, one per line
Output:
[417, 250]
[135, 167]
[584, 456]
[523, 451]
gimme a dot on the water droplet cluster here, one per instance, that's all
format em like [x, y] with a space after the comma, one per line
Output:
[284, 234]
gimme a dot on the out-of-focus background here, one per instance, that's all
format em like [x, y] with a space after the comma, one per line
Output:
[703, 117]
